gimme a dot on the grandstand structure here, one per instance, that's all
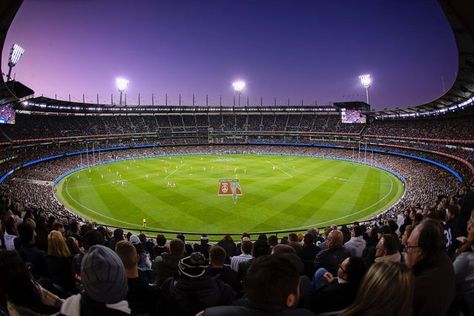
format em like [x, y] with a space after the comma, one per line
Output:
[441, 131]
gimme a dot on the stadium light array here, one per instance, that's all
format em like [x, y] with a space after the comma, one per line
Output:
[122, 85]
[239, 86]
[15, 55]
[366, 81]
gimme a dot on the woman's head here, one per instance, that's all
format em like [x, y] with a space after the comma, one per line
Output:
[387, 289]
[57, 245]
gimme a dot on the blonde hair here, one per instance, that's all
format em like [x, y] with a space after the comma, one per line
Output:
[57, 246]
[387, 289]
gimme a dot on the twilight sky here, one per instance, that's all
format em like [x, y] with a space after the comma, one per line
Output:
[311, 50]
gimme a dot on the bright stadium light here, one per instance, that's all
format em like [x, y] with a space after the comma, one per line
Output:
[366, 81]
[239, 86]
[15, 55]
[122, 85]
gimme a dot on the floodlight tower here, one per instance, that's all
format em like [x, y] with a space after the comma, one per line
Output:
[239, 86]
[366, 81]
[122, 84]
[15, 55]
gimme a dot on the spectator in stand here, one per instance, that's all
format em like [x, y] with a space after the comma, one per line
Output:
[464, 272]
[105, 286]
[289, 252]
[203, 246]
[30, 253]
[188, 249]
[388, 248]
[166, 265]
[73, 231]
[330, 258]
[144, 264]
[58, 226]
[160, 247]
[147, 245]
[279, 296]
[246, 249]
[118, 236]
[272, 241]
[308, 254]
[356, 244]
[341, 290]
[387, 289]
[91, 238]
[259, 248]
[294, 242]
[371, 245]
[192, 290]
[238, 249]
[217, 268]
[10, 236]
[59, 263]
[24, 296]
[141, 297]
[229, 246]
[432, 268]
[73, 245]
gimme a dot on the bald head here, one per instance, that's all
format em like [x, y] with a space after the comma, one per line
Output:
[335, 238]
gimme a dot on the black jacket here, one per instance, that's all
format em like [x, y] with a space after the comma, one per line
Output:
[186, 296]
[254, 310]
[434, 285]
[331, 258]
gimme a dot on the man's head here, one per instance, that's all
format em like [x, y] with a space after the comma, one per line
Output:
[217, 256]
[356, 231]
[352, 270]
[425, 241]
[388, 244]
[335, 238]
[177, 247]
[246, 247]
[160, 240]
[260, 248]
[118, 234]
[128, 254]
[272, 281]
[91, 238]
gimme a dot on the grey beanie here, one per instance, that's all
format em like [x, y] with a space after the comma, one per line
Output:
[103, 275]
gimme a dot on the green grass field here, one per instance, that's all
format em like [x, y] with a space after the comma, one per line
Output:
[180, 193]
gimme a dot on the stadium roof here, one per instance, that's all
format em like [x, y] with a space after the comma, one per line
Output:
[460, 14]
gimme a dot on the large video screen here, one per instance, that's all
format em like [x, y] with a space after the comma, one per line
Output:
[352, 116]
[7, 114]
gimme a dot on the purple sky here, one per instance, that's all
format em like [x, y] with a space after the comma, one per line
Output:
[297, 49]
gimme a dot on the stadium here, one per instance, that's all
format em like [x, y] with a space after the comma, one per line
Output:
[213, 170]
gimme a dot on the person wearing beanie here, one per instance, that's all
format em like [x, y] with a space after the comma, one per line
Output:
[193, 289]
[105, 286]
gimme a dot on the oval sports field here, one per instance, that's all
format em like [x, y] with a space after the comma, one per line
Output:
[180, 193]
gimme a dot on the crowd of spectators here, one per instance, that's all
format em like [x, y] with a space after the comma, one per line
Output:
[418, 264]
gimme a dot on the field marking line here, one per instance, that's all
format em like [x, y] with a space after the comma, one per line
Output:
[362, 210]
[276, 167]
[91, 210]
[176, 170]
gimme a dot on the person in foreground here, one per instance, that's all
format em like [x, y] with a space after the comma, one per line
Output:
[432, 269]
[271, 287]
[105, 286]
[387, 289]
